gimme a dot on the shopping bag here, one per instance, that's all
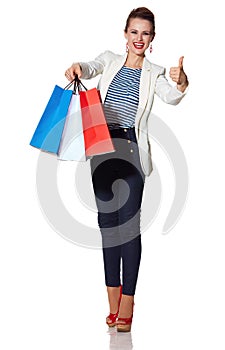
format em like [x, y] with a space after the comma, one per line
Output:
[72, 141]
[73, 124]
[96, 133]
[49, 130]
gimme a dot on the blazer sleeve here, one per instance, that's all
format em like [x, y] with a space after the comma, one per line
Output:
[168, 93]
[92, 68]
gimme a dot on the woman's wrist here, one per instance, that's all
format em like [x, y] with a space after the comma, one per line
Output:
[183, 86]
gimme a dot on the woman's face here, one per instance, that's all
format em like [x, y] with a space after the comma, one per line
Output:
[139, 35]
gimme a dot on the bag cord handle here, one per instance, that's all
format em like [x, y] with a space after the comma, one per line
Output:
[77, 84]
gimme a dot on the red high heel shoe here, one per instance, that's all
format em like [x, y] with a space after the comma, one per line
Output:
[124, 324]
[111, 319]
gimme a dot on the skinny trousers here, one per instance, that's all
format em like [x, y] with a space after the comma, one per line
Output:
[118, 183]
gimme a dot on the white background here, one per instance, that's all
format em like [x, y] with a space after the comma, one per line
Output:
[52, 291]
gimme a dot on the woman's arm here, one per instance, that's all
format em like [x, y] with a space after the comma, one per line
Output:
[86, 70]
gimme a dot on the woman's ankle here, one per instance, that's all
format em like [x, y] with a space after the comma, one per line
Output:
[126, 306]
[114, 298]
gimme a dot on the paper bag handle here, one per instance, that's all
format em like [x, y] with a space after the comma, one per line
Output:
[76, 82]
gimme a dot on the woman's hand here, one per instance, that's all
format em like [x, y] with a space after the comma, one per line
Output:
[75, 69]
[178, 75]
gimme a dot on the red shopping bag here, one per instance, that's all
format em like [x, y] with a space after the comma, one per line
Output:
[96, 133]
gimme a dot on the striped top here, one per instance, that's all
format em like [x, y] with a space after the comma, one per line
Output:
[121, 102]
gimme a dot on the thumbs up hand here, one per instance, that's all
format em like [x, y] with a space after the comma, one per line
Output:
[178, 75]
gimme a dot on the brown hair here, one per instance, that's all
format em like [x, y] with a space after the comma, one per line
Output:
[143, 13]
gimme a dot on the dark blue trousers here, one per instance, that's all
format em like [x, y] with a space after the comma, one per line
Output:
[118, 183]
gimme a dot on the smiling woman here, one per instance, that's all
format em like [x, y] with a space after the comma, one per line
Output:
[128, 84]
[139, 34]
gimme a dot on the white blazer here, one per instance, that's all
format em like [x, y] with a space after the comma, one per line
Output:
[153, 81]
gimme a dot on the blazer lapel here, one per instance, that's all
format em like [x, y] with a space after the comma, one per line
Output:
[146, 77]
[144, 84]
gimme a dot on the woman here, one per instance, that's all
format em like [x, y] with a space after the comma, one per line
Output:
[127, 85]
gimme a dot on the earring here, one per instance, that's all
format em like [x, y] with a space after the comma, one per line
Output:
[127, 47]
[151, 49]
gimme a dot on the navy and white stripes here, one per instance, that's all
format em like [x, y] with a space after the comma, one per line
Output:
[122, 98]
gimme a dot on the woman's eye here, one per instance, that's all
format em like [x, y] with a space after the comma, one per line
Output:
[135, 32]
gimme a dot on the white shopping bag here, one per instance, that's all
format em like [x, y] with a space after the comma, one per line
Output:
[72, 141]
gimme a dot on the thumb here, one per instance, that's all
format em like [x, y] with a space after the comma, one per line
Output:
[181, 62]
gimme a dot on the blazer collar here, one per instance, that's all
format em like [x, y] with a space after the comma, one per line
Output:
[147, 64]
[145, 84]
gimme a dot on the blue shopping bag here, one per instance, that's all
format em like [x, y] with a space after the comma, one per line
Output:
[49, 130]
